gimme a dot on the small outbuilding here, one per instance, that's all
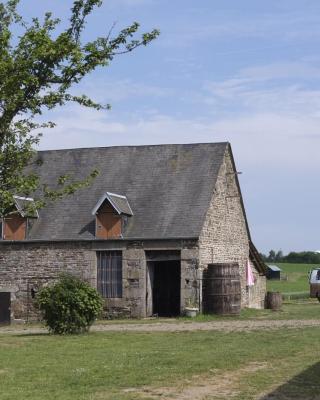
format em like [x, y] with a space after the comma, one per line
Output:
[273, 272]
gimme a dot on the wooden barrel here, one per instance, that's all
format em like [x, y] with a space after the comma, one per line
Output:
[273, 300]
[221, 289]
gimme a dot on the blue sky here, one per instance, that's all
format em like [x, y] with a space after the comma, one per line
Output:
[244, 71]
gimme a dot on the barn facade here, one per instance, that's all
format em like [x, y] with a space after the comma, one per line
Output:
[142, 233]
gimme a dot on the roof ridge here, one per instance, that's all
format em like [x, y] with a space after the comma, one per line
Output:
[133, 145]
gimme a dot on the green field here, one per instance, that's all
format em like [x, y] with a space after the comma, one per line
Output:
[290, 310]
[189, 365]
[297, 280]
[123, 366]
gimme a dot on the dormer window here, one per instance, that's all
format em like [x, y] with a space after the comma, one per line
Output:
[110, 212]
[14, 226]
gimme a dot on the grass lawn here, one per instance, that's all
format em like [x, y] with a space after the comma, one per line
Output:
[123, 366]
[297, 279]
[290, 310]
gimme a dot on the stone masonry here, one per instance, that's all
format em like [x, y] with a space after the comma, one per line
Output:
[224, 237]
[31, 265]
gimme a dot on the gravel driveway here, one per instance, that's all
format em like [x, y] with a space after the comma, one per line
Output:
[224, 326]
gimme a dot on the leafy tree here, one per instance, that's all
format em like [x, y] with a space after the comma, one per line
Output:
[279, 256]
[305, 257]
[264, 257]
[38, 69]
[272, 255]
[70, 306]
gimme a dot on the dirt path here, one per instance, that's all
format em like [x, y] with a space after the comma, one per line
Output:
[215, 385]
[225, 326]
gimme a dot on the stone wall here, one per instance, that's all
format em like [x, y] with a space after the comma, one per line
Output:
[190, 283]
[30, 265]
[256, 293]
[224, 236]
[132, 303]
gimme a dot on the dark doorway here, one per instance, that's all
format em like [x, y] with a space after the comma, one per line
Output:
[5, 301]
[166, 288]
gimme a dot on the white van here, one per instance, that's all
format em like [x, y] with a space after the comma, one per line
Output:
[314, 280]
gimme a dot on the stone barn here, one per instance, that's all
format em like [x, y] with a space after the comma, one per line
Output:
[142, 233]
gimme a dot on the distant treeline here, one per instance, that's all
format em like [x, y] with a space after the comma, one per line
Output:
[303, 257]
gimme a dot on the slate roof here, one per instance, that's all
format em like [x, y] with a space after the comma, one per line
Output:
[168, 187]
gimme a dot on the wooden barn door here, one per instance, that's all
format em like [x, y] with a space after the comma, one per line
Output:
[5, 303]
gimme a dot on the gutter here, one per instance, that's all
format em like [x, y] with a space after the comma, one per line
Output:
[127, 239]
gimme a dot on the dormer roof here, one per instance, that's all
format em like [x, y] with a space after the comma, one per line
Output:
[25, 207]
[117, 201]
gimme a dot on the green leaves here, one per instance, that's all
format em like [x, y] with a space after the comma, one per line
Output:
[38, 70]
[80, 10]
[70, 306]
[68, 187]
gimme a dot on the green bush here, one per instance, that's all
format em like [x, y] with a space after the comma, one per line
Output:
[69, 306]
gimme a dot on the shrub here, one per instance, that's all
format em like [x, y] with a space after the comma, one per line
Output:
[69, 306]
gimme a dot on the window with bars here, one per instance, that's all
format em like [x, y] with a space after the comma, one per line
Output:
[109, 276]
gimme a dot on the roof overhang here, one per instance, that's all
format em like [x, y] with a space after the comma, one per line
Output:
[256, 259]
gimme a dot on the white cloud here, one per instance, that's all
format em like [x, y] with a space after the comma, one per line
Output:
[282, 70]
[258, 108]
[119, 90]
[277, 153]
[256, 138]
[279, 87]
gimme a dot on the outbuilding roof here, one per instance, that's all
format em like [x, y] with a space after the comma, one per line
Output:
[274, 268]
[168, 187]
